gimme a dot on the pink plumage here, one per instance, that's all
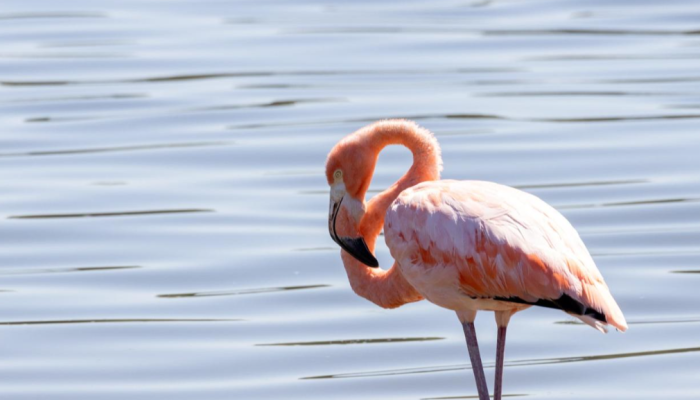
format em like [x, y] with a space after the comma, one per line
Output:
[482, 240]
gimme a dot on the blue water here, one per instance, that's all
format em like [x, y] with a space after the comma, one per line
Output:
[163, 204]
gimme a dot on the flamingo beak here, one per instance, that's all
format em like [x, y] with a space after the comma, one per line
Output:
[356, 247]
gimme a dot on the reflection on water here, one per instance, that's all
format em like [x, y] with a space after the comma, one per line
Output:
[163, 214]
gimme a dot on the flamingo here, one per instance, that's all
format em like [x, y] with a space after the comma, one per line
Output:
[462, 245]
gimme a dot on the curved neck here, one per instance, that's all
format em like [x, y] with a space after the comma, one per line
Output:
[427, 165]
[389, 289]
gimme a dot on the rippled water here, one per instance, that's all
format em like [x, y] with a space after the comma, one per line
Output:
[163, 212]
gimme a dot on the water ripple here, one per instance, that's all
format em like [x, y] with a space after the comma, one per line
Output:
[516, 363]
[116, 149]
[487, 32]
[629, 203]
[115, 321]
[354, 341]
[472, 397]
[52, 15]
[573, 94]
[649, 321]
[112, 214]
[115, 96]
[581, 184]
[264, 73]
[241, 292]
[30, 271]
[420, 117]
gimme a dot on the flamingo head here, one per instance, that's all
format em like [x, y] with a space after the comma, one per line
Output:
[349, 171]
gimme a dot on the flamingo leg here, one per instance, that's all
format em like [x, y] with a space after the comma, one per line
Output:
[500, 353]
[475, 357]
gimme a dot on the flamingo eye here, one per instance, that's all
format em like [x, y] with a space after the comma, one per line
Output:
[338, 175]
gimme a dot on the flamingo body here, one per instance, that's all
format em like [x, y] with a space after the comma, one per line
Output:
[472, 245]
[463, 245]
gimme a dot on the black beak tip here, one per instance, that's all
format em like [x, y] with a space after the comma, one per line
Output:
[357, 247]
[371, 261]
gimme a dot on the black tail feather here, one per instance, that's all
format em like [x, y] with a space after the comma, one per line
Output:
[565, 303]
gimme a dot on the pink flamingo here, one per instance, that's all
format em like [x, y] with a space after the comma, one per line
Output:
[463, 245]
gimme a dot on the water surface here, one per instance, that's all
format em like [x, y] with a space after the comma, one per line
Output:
[163, 212]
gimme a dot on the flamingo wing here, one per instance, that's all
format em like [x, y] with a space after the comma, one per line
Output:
[496, 242]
